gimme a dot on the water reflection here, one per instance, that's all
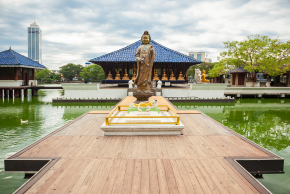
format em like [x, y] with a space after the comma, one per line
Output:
[43, 118]
[265, 122]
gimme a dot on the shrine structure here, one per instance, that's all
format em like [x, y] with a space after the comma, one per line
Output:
[166, 60]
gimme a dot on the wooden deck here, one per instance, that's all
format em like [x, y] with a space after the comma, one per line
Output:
[191, 163]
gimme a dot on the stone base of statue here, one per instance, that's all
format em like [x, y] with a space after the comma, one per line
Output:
[142, 95]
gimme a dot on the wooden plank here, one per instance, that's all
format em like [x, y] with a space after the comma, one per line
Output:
[128, 179]
[172, 185]
[136, 183]
[145, 176]
[82, 177]
[178, 177]
[163, 187]
[90, 177]
[154, 186]
[187, 183]
[118, 185]
[48, 178]
[111, 177]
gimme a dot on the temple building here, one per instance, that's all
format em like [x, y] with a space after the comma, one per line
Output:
[16, 73]
[168, 65]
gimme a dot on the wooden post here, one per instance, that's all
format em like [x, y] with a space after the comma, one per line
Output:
[15, 73]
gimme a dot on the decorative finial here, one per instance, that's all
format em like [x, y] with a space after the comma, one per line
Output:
[10, 48]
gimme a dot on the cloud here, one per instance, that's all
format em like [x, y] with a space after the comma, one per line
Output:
[73, 31]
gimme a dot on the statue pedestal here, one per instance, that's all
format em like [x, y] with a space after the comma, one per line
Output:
[142, 96]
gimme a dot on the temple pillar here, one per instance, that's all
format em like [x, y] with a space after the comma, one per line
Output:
[22, 93]
[12, 93]
[3, 93]
[16, 73]
[7, 93]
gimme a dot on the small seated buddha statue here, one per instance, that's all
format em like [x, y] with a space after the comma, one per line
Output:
[203, 80]
[172, 78]
[156, 77]
[109, 77]
[164, 77]
[180, 77]
[134, 75]
[125, 77]
[118, 76]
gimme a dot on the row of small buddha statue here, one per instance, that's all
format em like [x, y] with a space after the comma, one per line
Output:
[155, 78]
[165, 78]
[118, 77]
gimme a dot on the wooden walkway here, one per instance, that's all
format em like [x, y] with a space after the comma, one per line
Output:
[191, 163]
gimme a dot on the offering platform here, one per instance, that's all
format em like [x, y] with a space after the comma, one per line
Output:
[125, 120]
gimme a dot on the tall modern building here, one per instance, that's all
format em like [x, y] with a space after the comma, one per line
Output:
[34, 36]
[200, 56]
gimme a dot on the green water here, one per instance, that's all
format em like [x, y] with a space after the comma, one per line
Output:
[43, 118]
[265, 122]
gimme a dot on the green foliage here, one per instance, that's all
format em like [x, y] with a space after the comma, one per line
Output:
[43, 74]
[222, 67]
[203, 66]
[70, 71]
[47, 80]
[277, 61]
[93, 73]
[259, 54]
[57, 77]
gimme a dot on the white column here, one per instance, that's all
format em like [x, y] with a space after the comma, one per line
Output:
[3, 93]
[8, 93]
[13, 93]
[22, 93]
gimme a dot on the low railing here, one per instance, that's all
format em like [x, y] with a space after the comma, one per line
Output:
[164, 108]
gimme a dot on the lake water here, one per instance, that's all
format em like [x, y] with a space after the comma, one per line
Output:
[266, 122]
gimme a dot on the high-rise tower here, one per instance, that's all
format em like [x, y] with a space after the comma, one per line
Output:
[34, 36]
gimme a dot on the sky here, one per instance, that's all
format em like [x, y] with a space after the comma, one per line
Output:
[75, 30]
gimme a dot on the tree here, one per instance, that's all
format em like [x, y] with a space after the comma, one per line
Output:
[57, 77]
[249, 53]
[93, 73]
[43, 75]
[222, 67]
[203, 66]
[70, 71]
[277, 61]
[260, 54]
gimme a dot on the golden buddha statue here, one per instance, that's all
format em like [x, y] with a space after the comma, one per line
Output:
[109, 77]
[172, 78]
[145, 56]
[134, 76]
[156, 77]
[180, 77]
[203, 77]
[164, 77]
[118, 77]
[125, 77]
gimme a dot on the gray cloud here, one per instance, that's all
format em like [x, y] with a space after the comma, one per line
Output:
[81, 29]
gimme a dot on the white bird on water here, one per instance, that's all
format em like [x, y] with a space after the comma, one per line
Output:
[24, 121]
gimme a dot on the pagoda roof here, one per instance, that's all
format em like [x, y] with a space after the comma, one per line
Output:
[10, 58]
[163, 54]
[239, 69]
